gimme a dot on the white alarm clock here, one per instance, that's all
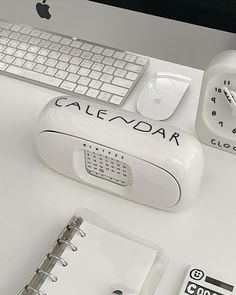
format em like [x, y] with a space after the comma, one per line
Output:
[216, 116]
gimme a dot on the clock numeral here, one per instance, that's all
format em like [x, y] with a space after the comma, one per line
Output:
[221, 124]
[213, 99]
[234, 130]
[213, 113]
[226, 82]
[219, 90]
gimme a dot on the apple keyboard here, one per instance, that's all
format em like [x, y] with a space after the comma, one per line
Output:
[68, 65]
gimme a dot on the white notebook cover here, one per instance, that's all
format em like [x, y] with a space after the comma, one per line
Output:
[107, 260]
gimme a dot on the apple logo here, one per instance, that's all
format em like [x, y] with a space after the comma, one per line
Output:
[43, 10]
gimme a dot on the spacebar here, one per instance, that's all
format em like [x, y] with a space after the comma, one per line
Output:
[34, 76]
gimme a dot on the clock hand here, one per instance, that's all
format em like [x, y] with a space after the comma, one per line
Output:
[231, 99]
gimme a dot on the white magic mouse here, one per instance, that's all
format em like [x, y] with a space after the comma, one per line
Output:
[161, 95]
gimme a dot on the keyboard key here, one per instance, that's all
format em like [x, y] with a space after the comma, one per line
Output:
[92, 92]
[97, 67]
[2, 48]
[13, 43]
[65, 41]
[97, 58]
[81, 89]
[84, 72]
[116, 99]
[44, 52]
[76, 44]
[132, 76]
[54, 54]
[119, 55]
[106, 78]
[35, 33]
[68, 86]
[18, 62]
[95, 84]
[86, 55]
[4, 40]
[55, 46]
[39, 68]
[72, 78]
[50, 71]
[108, 52]
[120, 73]
[61, 74]
[65, 49]
[72, 69]
[45, 44]
[33, 76]
[2, 56]
[23, 46]
[109, 70]
[122, 82]
[8, 59]
[45, 35]
[84, 81]
[3, 66]
[130, 58]
[97, 49]
[133, 68]
[141, 61]
[95, 75]
[104, 96]
[65, 57]
[51, 62]
[40, 59]
[14, 36]
[86, 64]
[119, 64]
[16, 28]
[120, 91]
[34, 41]
[33, 49]
[29, 65]
[62, 65]
[55, 38]
[108, 61]
[26, 30]
[76, 52]
[30, 56]
[75, 61]
[10, 50]
[87, 46]
[5, 33]
[24, 38]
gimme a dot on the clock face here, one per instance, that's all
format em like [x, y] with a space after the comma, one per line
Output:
[220, 106]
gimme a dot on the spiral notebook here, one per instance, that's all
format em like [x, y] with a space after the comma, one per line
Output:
[91, 257]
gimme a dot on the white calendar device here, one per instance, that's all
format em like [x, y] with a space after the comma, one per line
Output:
[216, 116]
[121, 152]
[199, 281]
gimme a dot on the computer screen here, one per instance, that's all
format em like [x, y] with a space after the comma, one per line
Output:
[217, 14]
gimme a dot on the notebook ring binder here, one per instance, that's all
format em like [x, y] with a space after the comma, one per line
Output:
[81, 233]
[28, 288]
[51, 276]
[73, 247]
[63, 261]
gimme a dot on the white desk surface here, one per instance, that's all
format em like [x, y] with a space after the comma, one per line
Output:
[36, 202]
